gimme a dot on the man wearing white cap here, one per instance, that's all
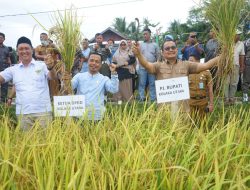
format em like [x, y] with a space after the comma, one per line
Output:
[169, 37]
[233, 78]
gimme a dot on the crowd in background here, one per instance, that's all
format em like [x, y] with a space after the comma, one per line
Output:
[135, 81]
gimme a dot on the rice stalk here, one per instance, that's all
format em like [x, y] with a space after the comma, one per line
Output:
[67, 35]
[224, 16]
[129, 149]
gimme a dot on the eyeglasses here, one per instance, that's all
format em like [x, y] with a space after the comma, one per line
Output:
[123, 44]
[169, 48]
[192, 36]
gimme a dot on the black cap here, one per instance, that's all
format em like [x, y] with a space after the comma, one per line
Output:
[23, 40]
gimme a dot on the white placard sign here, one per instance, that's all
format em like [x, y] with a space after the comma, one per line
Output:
[69, 105]
[170, 90]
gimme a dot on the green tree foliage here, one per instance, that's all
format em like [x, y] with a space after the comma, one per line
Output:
[120, 25]
[245, 18]
[178, 30]
[197, 22]
[129, 29]
[147, 23]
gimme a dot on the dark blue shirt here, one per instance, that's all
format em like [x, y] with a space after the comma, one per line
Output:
[191, 50]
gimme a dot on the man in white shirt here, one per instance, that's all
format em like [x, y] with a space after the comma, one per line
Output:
[233, 78]
[32, 91]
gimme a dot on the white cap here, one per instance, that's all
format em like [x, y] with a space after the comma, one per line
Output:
[238, 32]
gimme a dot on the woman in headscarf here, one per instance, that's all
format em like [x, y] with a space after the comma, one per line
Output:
[124, 60]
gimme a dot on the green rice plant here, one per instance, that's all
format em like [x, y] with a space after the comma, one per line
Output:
[134, 147]
[224, 16]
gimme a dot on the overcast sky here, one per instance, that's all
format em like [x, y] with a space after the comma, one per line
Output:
[96, 15]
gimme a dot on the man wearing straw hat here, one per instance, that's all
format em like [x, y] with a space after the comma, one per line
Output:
[32, 91]
[171, 67]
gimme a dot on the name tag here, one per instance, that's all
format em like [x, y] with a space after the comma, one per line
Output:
[201, 85]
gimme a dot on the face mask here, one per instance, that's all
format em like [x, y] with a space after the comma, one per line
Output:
[44, 42]
[111, 47]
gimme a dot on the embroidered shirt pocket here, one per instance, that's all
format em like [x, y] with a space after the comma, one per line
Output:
[39, 80]
[181, 70]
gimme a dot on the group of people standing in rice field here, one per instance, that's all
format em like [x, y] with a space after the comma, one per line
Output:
[102, 69]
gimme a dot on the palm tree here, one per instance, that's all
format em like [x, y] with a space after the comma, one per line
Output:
[175, 27]
[130, 29]
[178, 30]
[123, 27]
[147, 23]
[120, 25]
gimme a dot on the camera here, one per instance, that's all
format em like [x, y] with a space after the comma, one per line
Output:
[206, 109]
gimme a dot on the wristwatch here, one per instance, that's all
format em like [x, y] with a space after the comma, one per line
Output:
[50, 68]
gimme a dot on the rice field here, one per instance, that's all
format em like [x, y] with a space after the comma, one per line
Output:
[134, 147]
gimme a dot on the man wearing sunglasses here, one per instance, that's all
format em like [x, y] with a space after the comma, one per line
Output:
[171, 67]
[192, 47]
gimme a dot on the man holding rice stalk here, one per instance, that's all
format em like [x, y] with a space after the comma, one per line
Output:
[171, 67]
[30, 78]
